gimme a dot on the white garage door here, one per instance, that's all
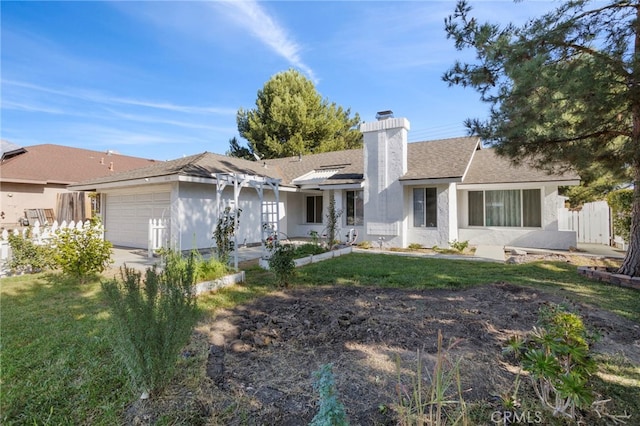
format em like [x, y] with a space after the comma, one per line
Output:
[127, 215]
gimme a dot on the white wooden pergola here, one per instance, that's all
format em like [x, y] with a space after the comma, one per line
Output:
[269, 212]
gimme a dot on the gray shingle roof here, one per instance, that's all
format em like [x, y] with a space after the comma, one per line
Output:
[349, 161]
[488, 167]
[439, 159]
[201, 165]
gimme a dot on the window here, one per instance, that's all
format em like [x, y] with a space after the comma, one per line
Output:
[314, 209]
[425, 207]
[355, 208]
[513, 208]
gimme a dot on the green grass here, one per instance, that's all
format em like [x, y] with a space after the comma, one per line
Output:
[58, 367]
[421, 273]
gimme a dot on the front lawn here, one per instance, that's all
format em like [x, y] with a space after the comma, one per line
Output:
[58, 366]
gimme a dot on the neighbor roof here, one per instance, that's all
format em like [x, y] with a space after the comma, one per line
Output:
[9, 149]
[57, 164]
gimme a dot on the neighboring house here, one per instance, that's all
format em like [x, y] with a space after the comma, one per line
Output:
[390, 192]
[36, 178]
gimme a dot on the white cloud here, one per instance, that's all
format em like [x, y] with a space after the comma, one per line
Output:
[254, 18]
[98, 98]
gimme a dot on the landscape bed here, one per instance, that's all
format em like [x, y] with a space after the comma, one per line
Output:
[251, 359]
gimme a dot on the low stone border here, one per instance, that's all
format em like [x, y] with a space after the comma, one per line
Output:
[314, 258]
[600, 273]
[226, 281]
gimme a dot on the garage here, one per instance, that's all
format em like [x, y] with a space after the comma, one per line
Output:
[127, 213]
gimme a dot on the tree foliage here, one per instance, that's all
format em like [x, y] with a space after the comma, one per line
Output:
[563, 90]
[291, 118]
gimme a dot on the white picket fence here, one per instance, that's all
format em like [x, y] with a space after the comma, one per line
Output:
[158, 235]
[592, 223]
[38, 233]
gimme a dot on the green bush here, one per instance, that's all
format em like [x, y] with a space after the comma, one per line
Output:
[621, 202]
[81, 253]
[458, 246]
[152, 322]
[307, 250]
[414, 246]
[331, 411]
[282, 265]
[556, 355]
[224, 232]
[28, 257]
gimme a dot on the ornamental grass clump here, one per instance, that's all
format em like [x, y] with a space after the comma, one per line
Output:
[433, 397]
[152, 321]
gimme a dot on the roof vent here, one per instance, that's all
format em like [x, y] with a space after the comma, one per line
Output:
[383, 115]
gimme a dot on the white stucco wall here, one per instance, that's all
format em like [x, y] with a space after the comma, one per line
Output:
[446, 230]
[198, 216]
[385, 161]
[547, 236]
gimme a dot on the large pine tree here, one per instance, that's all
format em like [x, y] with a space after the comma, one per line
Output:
[291, 118]
[563, 90]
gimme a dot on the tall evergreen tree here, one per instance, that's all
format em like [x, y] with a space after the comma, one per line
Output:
[239, 151]
[563, 89]
[291, 118]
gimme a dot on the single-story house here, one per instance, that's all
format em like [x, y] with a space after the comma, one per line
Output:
[36, 178]
[390, 192]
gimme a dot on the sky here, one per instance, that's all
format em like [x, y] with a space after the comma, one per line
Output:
[165, 79]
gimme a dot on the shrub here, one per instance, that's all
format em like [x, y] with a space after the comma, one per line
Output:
[152, 322]
[331, 411]
[621, 202]
[414, 246]
[556, 355]
[333, 219]
[364, 245]
[26, 256]
[223, 234]
[209, 269]
[307, 250]
[82, 252]
[281, 263]
[459, 246]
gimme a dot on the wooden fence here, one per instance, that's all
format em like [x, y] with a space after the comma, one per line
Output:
[592, 223]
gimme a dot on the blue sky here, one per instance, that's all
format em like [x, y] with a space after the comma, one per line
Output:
[164, 79]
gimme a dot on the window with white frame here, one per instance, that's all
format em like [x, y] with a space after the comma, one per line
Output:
[425, 207]
[314, 209]
[509, 208]
[355, 208]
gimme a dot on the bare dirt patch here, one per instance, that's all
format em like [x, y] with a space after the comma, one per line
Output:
[263, 353]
